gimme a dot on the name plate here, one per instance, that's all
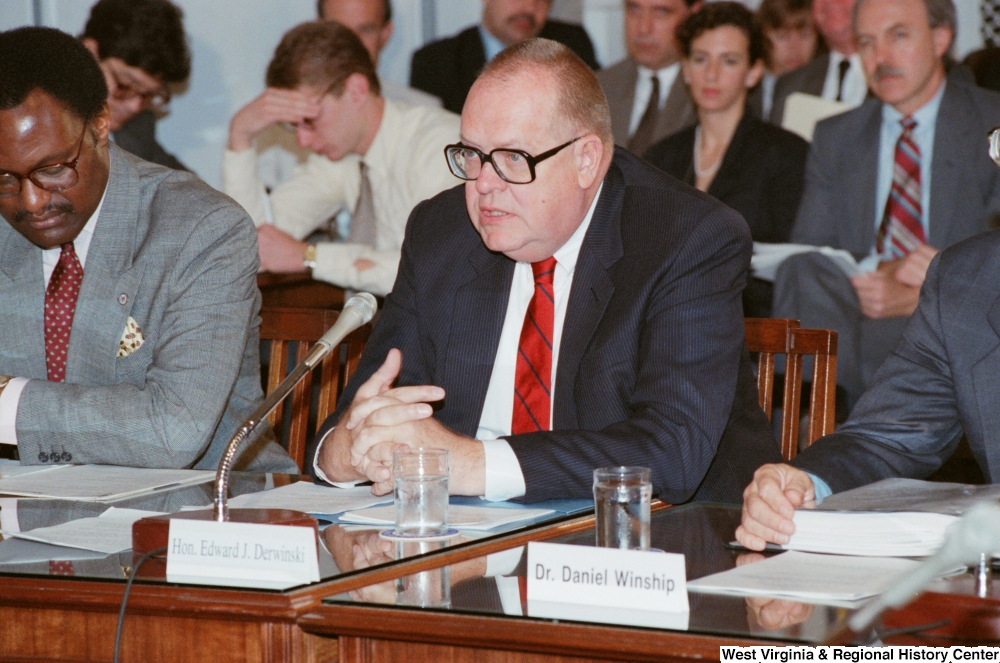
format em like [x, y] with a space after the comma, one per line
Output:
[241, 554]
[607, 577]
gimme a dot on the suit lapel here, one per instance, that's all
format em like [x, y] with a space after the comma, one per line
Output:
[621, 104]
[22, 307]
[109, 279]
[816, 78]
[678, 110]
[591, 291]
[734, 159]
[472, 350]
[949, 133]
[984, 380]
[862, 179]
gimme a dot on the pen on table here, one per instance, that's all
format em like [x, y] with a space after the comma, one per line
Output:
[169, 485]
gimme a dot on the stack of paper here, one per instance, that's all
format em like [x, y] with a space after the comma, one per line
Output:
[809, 578]
[900, 494]
[311, 498]
[869, 534]
[98, 483]
[460, 517]
[110, 532]
[768, 257]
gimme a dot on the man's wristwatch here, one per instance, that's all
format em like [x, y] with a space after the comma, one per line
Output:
[309, 256]
[4, 381]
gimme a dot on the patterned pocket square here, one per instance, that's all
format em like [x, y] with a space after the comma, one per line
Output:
[131, 339]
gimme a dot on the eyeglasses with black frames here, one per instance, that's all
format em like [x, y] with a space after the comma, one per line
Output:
[53, 177]
[513, 166]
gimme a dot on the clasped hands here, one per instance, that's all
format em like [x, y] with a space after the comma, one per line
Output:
[382, 418]
[893, 290]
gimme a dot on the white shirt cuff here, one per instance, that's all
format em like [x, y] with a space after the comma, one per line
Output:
[322, 475]
[504, 479]
[503, 563]
[9, 398]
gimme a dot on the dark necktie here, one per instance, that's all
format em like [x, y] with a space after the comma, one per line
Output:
[643, 136]
[363, 230]
[843, 68]
[902, 229]
[533, 379]
[990, 10]
[60, 305]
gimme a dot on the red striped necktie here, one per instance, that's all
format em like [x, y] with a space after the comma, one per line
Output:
[533, 379]
[902, 229]
[60, 305]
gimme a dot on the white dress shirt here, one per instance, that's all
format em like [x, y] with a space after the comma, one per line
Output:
[504, 478]
[11, 395]
[855, 85]
[406, 165]
[644, 88]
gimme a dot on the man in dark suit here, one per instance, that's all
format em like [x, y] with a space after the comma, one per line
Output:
[836, 75]
[942, 380]
[638, 118]
[892, 196]
[142, 51]
[447, 68]
[589, 315]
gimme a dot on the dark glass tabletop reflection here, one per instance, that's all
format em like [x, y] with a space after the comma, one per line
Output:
[495, 584]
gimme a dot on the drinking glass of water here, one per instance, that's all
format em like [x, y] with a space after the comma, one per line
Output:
[622, 496]
[421, 493]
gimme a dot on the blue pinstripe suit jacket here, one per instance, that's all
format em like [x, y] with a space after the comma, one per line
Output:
[652, 367]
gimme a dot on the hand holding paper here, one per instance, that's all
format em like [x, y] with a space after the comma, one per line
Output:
[769, 504]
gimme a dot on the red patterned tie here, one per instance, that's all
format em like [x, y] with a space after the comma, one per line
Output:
[902, 230]
[533, 380]
[60, 305]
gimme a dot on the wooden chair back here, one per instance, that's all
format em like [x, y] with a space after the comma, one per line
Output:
[292, 331]
[769, 338]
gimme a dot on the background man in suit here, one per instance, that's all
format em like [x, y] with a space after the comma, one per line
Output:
[128, 296]
[378, 157]
[447, 68]
[891, 182]
[836, 75]
[589, 315]
[640, 118]
[142, 51]
[941, 381]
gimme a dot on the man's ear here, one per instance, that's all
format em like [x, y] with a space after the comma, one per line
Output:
[589, 153]
[384, 35]
[91, 46]
[943, 36]
[358, 87]
[102, 125]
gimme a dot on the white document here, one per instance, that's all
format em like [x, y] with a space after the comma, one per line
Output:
[13, 468]
[768, 257]
[803, 111]
[241, 554]
[99, 483]
[809, 578]
[899, 494]
[897, 534]
[311, 498]
[109, 532]
[459, 516]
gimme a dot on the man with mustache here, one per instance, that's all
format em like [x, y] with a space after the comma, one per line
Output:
[638, 117]
[128, 295]
[447, 68]
[892, 182]
[937, 187]
[571, 307]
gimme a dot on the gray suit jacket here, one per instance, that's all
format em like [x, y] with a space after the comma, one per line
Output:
[942, 379]
[808, 78]
[618, 82]
[181, 260]
[838, 206]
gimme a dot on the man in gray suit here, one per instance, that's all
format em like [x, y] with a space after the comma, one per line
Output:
[836, 75]
[640, 118]
[891, 182]
[128, 298]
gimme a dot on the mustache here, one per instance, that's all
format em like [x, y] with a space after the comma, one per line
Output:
[61, 208]
[530, 18]
[884, 70]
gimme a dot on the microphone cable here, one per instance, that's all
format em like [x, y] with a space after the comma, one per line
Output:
[128, 589]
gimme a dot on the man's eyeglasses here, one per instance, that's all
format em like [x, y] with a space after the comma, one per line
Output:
[54, 177]
[994, 139]
[513, 166]
[154, 101]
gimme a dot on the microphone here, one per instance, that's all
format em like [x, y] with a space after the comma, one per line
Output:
[358, 310]
[975, 534]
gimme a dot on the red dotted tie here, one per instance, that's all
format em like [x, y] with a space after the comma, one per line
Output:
[60, 305]
[533, 380]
